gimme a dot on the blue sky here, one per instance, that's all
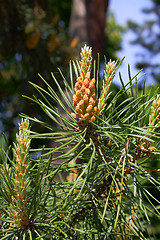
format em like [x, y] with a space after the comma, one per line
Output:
[129, 10]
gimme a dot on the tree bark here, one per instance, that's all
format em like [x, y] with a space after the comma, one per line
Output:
[88, 18]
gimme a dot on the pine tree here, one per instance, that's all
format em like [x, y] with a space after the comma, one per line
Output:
[105, 149]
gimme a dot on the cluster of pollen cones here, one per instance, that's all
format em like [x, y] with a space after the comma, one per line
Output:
[20, 215]
[87, 107]
[84, 99]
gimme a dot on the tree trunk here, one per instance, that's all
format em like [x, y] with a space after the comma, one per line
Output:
[87, 22]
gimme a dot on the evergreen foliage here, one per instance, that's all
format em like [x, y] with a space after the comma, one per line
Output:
[106, 187]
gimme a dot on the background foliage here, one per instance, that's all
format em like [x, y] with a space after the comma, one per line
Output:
[147, 36]
[33, 38]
